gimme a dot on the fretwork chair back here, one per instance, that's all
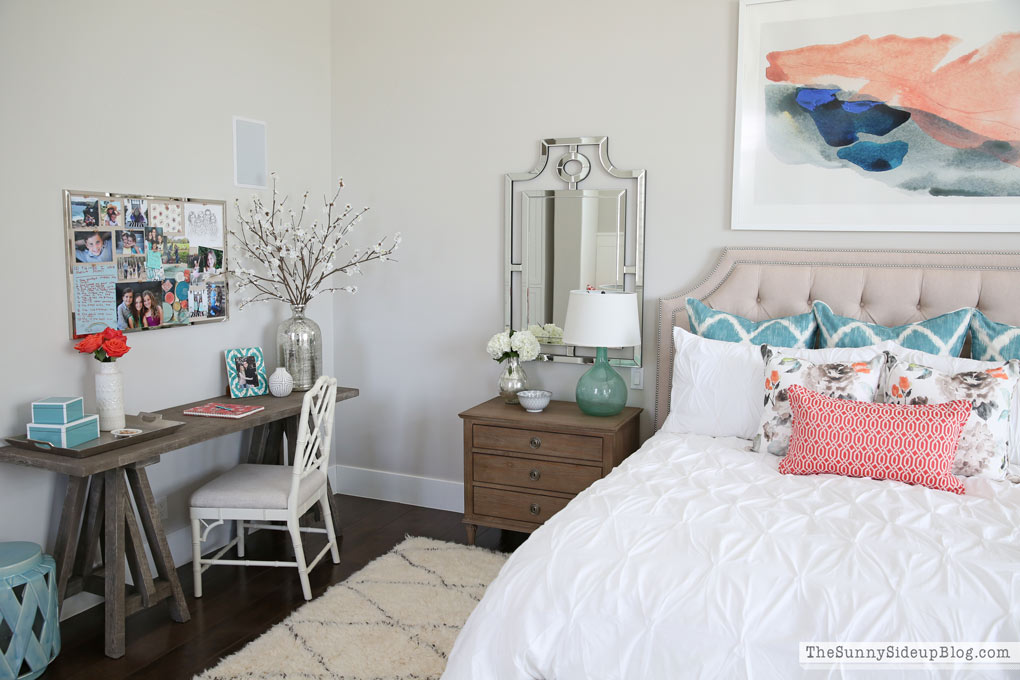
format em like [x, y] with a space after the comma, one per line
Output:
[254, 495]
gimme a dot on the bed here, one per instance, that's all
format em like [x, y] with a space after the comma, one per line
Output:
[696, 558]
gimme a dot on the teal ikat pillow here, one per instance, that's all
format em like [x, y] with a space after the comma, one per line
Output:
[943, 335]
[789, 331]
[991, 341]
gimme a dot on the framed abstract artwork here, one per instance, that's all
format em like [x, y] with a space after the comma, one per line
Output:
[878, 115]
[141, 263]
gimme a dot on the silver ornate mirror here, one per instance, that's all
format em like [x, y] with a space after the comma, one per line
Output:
[561, 239]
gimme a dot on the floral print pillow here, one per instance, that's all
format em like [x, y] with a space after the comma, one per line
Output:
[855, 380]
[984, 443]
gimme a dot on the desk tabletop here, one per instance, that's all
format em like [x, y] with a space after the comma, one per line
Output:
[196, 429]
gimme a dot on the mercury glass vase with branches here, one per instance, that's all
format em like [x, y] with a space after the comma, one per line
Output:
[280, 256]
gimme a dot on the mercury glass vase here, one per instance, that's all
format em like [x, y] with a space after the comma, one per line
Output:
[512, 381]
[299, 348]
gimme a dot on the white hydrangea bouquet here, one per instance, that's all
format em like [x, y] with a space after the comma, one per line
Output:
[519, 344]
[512, 347]
[283, 258]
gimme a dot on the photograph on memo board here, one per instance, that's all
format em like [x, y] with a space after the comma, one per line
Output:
[130, 261]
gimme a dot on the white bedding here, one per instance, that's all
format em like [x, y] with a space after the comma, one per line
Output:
[696, 558]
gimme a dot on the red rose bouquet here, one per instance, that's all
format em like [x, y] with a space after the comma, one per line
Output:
[107, 346]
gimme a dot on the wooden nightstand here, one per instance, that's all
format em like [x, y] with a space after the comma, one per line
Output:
[521, 468]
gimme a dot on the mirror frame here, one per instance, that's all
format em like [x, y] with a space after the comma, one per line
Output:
[634, 224]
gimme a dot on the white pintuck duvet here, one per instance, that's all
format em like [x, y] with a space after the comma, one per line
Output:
[697, 559]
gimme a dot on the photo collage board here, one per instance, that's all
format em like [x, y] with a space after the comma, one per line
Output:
[140, 263]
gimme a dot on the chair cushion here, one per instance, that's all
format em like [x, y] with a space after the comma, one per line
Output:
[260, 487]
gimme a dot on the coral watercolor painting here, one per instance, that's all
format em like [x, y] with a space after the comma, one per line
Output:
[879, 115]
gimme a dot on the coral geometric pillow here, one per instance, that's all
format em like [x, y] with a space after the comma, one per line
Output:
[984, 444]
[911, 444]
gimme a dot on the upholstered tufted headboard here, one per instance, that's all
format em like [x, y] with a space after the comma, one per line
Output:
[888, 287]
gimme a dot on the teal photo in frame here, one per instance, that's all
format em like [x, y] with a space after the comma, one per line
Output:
[246, 372]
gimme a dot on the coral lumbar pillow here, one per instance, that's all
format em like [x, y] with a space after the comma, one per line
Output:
[912, 444]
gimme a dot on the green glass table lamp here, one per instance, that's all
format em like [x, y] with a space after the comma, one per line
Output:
[601, 319]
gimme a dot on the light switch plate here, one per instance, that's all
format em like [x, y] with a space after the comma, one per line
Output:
[637, 378]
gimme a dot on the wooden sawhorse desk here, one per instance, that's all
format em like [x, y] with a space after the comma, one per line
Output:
[98, 521]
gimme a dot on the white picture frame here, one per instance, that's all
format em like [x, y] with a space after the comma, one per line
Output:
[787, 175]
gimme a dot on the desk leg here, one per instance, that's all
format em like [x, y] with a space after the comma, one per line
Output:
[114, 562]
[91, 529]
[138, 563]
[139, 481]
[67, 532]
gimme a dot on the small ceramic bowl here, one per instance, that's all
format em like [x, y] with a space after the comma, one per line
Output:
[125, 432]
[534, 401]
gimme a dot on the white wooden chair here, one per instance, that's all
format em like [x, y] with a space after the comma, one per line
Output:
[253, 495]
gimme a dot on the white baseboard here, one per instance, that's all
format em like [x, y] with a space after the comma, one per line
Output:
[426, 492]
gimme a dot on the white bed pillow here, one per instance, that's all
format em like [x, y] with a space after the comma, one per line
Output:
[718, 388]
[954, 365]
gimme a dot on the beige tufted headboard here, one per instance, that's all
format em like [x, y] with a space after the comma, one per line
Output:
[888, 287]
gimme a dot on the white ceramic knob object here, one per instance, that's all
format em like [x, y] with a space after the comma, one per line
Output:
[280, 383]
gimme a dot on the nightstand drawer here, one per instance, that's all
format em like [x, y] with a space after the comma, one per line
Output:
[529, 441]
[524, 507]
[534, 474]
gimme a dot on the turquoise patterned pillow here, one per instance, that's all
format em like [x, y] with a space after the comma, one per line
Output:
[943, 335]
[991, 341]
[790, 331]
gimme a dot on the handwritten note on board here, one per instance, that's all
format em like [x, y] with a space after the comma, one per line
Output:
[95, 298]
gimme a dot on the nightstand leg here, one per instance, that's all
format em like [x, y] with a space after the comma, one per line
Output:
[471, 530]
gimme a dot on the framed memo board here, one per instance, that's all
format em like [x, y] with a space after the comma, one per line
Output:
[142, 263]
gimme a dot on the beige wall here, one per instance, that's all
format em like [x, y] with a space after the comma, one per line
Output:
[137, 97]
[433, 102]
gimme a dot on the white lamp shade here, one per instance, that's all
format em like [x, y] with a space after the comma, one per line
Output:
[598, 318]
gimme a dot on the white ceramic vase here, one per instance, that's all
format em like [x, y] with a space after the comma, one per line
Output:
[110, 396]
[281, 383]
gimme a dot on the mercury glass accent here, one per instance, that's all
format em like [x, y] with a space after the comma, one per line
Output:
[512, 381]
[299, 348]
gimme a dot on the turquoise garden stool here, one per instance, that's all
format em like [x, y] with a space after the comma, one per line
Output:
[29, 618]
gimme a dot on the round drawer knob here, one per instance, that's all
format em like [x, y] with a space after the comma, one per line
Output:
[535, 509]
[535, 442]
[535, 475]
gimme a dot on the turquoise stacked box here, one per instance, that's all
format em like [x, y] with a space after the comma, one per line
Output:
[29, 616]
[61, 421]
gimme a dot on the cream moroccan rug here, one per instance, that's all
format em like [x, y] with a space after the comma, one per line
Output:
[395, 619]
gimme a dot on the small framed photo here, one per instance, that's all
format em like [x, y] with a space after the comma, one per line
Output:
[246, 372]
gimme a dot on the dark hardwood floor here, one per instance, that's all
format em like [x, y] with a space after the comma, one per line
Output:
[241, 603]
